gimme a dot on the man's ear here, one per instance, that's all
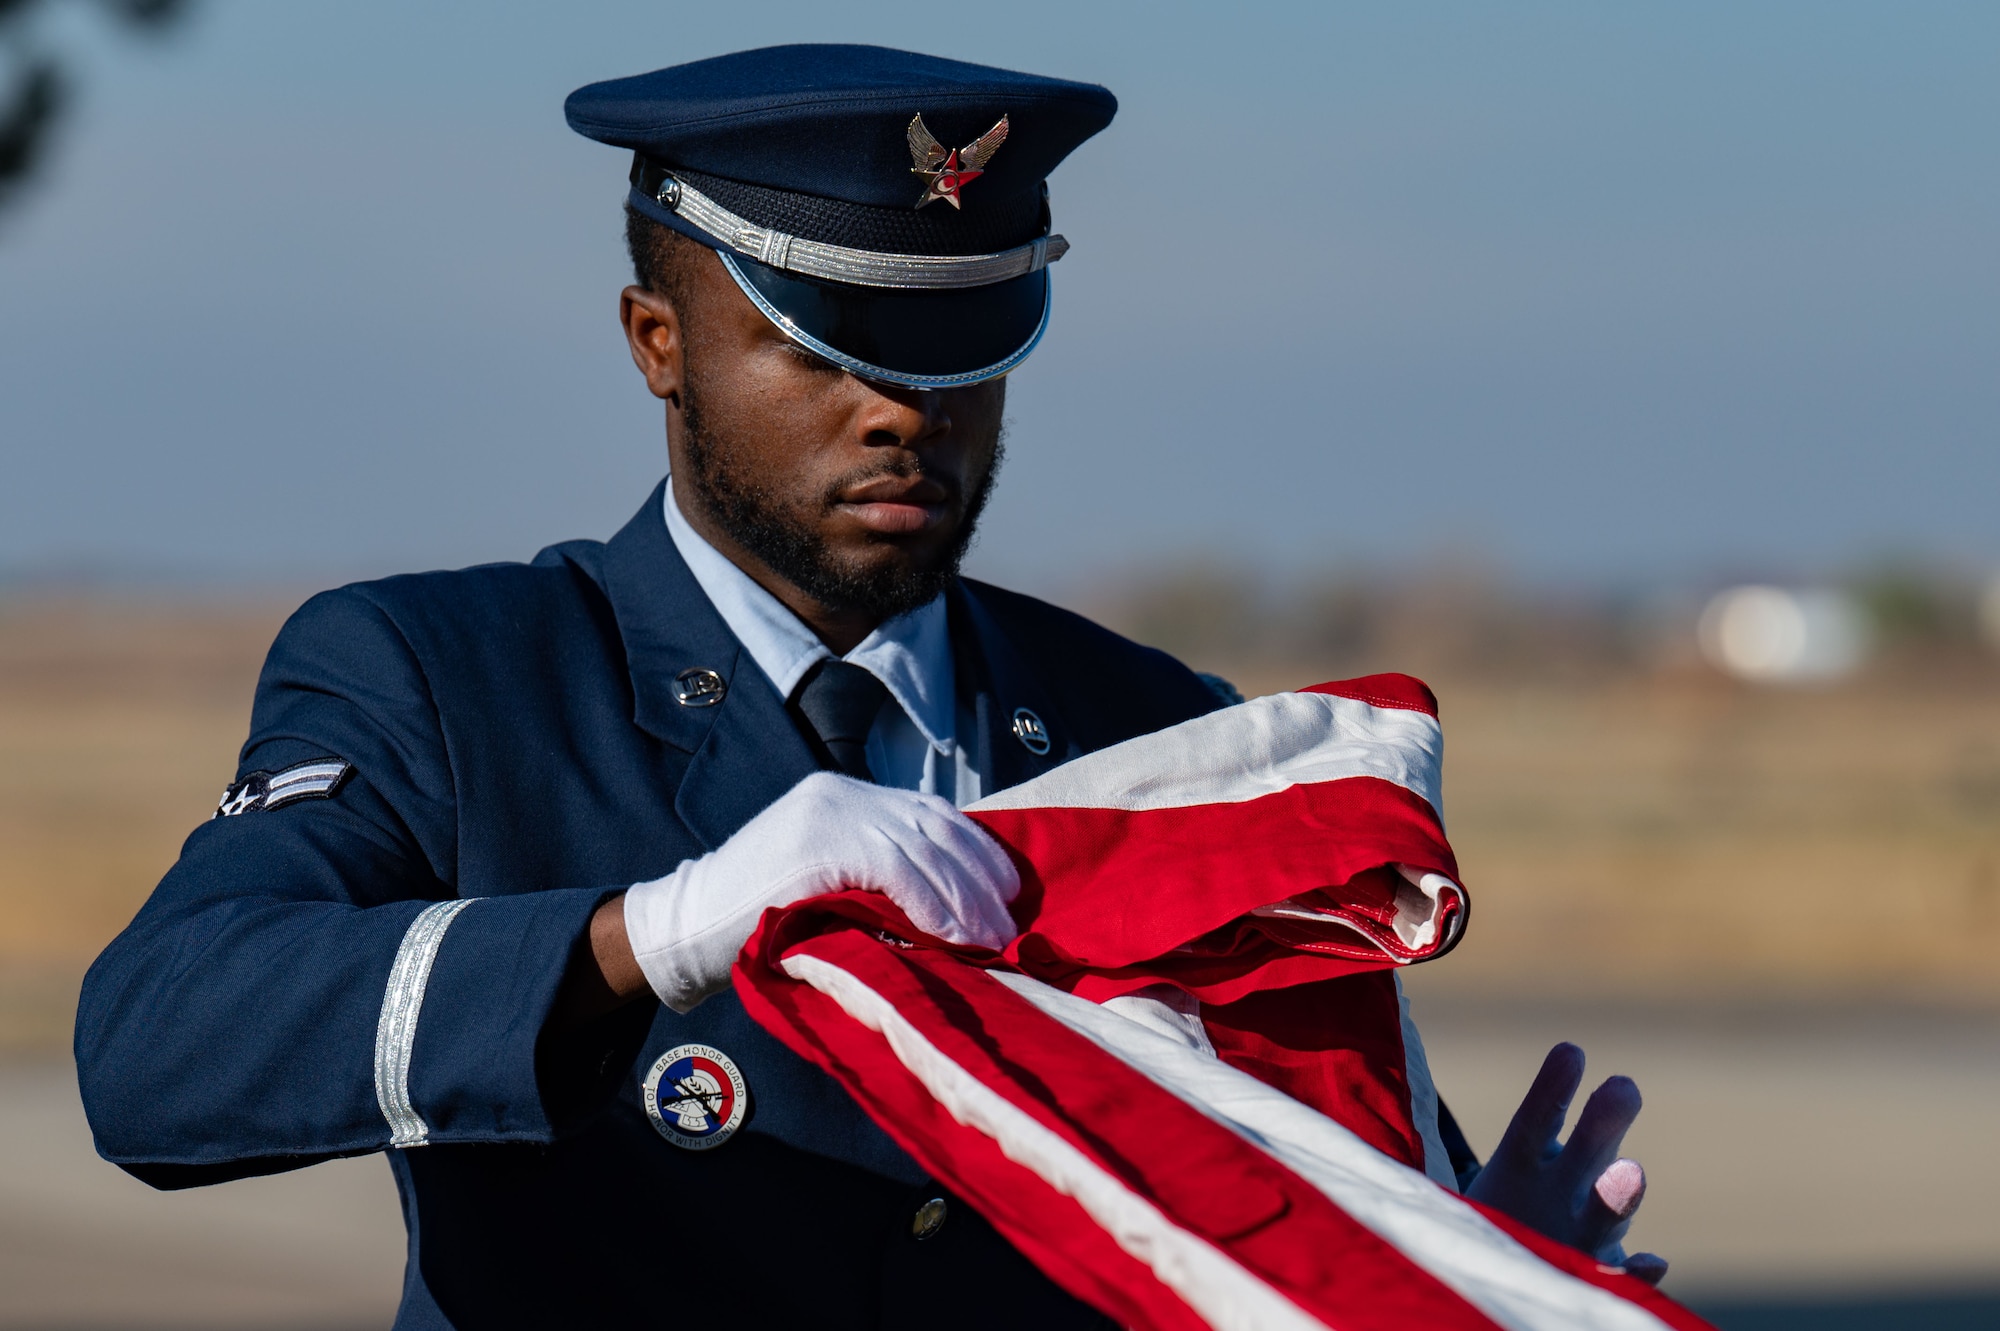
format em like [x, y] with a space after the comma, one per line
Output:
[653, 331]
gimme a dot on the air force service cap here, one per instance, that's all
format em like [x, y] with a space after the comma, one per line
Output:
[888, 210]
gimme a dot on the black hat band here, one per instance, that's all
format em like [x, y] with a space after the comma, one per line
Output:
[838, 263]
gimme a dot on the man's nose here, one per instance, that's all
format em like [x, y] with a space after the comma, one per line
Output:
[905, 417]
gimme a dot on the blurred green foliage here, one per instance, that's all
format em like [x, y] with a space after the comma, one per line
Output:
[1908, 604]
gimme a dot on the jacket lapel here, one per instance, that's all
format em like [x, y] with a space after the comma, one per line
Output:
[996, 683]
[746, 751]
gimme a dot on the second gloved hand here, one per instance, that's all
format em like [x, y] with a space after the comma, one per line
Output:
[1578, 1192]
[828, 832]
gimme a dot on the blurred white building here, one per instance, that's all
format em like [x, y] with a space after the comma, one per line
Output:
[1777, 635]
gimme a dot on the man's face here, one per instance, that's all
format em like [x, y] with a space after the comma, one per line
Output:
[862, 496]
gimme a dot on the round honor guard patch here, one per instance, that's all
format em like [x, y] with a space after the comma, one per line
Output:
[1028, 728]
[699, 687]
[695, 1096]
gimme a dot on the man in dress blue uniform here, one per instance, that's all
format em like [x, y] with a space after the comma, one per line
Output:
[497, 835]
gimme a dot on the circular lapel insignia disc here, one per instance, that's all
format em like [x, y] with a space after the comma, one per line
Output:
[695, 1096]
[929, 1219]
[1028, 728]
[699, 687]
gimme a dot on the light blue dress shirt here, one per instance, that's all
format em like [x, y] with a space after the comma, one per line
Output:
[914, 742]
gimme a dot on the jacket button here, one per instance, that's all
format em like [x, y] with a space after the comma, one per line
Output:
[929, 1219]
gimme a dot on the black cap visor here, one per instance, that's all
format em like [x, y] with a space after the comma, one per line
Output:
[910, 338]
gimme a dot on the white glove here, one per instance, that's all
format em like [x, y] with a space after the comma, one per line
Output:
[826, 833]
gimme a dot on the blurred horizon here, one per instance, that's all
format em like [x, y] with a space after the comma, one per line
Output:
[1596, 300]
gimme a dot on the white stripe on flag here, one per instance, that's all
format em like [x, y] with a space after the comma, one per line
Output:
[1219, 1290]
[1273, 743]
[1423, 1097]
[1428, 1224]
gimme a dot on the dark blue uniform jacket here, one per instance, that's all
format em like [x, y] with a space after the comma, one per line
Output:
[515, 740]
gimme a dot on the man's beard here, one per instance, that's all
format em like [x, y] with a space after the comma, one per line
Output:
[752, 515]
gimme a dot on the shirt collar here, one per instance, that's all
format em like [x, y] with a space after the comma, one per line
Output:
[910, 654]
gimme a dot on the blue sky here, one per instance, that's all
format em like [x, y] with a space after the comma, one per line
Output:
[1601, 294]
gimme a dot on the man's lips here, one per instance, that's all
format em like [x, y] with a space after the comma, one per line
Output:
[895, 506]
[895, 519]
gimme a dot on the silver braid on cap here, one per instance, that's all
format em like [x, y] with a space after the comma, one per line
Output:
[839, 263]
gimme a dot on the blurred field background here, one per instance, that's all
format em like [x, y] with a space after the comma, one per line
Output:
[1776, 907]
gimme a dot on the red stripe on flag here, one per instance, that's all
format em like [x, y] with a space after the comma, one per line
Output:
[1105, 890]
[1201, 1175]
[1336, 1045]
[1404, 692]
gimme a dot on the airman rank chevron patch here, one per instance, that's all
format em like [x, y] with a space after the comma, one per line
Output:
[314, 780]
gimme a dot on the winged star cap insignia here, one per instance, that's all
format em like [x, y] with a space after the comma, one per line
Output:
[946, 171]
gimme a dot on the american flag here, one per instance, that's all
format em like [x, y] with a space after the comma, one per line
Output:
[1189, 1091]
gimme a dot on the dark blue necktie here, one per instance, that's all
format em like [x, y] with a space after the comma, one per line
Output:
[839, 702]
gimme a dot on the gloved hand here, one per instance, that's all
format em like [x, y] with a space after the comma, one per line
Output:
[826, 833]
[1579, 1192]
